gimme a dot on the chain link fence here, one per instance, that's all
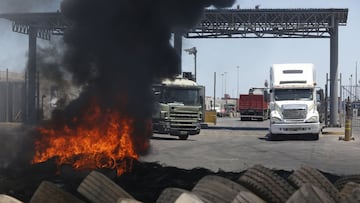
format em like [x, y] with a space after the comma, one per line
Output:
[350, 94]
[12, 96]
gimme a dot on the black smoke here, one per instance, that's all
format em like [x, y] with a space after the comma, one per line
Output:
[115, 49]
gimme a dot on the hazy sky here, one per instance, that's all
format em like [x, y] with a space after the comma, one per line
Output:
[253, 56]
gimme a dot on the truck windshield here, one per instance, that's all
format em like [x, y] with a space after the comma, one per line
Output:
[182, 95]
[293, 94]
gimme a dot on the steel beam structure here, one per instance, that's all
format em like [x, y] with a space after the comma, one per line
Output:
[226, 23]
[47, 24]
[268, 23]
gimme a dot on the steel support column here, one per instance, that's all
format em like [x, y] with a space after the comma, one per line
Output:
[334, 107]
[31, 91]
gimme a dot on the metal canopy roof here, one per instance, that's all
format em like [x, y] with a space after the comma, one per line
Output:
[47, 24]
[268, 23]
[217, 23]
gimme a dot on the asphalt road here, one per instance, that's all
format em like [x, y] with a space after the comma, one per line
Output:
[234, 145]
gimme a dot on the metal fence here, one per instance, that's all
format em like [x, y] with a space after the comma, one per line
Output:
[12, 97]
[350, 94]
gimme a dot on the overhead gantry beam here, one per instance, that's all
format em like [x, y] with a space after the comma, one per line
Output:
[46, 24]
[268, 23]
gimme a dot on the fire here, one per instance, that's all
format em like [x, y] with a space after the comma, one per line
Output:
[100, 139]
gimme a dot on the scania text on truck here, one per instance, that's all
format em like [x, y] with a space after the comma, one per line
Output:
[293, 103]
[179, 107]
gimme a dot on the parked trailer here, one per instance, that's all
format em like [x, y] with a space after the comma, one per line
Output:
[254, 105]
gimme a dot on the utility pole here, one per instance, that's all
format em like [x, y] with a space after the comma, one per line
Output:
[225, 81]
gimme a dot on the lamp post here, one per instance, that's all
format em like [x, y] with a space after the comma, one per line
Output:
[225, 81]
[222, 85]
[193, 51]
[237, 82]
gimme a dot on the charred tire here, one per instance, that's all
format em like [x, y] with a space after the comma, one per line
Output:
[98, 188]
[341, 182]
[306, 174]
[247, 197]
[170, 195]
[49, 192]
[217, 189]
[267, 184]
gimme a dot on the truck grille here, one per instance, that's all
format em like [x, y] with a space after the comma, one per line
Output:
[184, 120]
[294, 113]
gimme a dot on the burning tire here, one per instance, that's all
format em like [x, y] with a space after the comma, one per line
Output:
[267, 184]
[49, 192]
[310, 175]
[98, 188]
[309, 193]
[217, 189]
[246, 197]
[170, 195]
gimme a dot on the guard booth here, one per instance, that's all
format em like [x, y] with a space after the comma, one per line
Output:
[12, 96]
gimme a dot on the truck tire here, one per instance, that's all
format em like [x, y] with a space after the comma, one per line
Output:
[247, 197]
[315, 136]
[266, 184]
[309, 193]
[307, 174]
[49, 192]
[183, 137]
[98, 188]
[217, 189]
[348, 188]
[341, 182]
[8, 199]
[171, 195]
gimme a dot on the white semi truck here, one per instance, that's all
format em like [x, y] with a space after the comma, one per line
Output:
[293, 103]
[179, 107]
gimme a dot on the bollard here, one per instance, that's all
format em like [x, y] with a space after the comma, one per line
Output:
[348, 120]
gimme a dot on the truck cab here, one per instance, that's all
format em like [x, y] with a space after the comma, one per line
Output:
[178, 107]
[293, 100]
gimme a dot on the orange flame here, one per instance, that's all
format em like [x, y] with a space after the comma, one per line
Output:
[99, 140]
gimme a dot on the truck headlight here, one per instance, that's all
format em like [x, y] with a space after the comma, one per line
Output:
[163, 114]
[313, 119]
[275, 119]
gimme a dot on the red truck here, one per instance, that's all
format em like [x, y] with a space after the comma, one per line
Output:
[254, 105]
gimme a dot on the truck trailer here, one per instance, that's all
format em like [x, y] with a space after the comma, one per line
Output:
[254, 105]
[293, 103]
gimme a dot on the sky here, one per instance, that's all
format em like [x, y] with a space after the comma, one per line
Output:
[253, 56]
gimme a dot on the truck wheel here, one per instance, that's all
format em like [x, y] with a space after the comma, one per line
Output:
[273, 137]
[183, 137]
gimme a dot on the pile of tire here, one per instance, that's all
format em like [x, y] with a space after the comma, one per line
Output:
[257, 185]
[260, 184]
